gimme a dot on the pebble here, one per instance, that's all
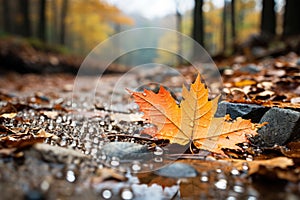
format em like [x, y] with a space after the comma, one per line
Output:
[177, 170]
[125, 150]
[283, 125]
[246, 111]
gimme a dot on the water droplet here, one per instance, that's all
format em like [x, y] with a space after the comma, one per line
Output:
[235, 172]
[126, 194]
[245, 145]
[258, 150]
[45, 185]
[115, 161]
[136, 166]
[70, 176]
[144, 94]
[238, 188]
[158, 159]
[231, 198]
[103, 156]
[245, 167]
[252, 198]
[221, 184]
[249, 158]
[106, 193]
[218, 171]
[158, 151]
[204, 177]
[58, 120]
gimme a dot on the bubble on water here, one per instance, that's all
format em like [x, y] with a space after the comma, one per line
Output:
[158, 151]
[106, 193]
[126, 194]
[221, 184]
[115, 161]
[136, 166]
[70, 176]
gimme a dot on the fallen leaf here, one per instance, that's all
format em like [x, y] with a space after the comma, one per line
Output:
[8, 115]
[19, 140]
[106, 173]
[281, 162]
[193, 120]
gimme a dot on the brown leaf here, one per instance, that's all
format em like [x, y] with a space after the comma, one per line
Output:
[281, 162]
[20, 140]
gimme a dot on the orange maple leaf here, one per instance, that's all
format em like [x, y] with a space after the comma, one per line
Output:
[193, 120]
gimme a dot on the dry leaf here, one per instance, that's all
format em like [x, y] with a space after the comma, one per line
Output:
[193, 120]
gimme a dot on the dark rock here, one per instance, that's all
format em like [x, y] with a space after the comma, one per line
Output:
[177, 170]
[126, 150]
[283, 125]
[246, 111]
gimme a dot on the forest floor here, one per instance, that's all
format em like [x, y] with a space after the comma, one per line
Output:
[61, 136]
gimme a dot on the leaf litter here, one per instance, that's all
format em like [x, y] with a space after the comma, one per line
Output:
[217, 178]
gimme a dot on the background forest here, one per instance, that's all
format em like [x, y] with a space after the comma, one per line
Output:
[222, 27]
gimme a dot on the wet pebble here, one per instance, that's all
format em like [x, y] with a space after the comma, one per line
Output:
[177, 170]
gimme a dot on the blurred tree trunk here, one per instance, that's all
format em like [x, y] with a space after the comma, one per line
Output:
[179, 29]
[64, 11]
[224, 23]
[24, 27]
[54, 10]
[233, 27]
[6, 16]
[198, 27]
[268, 18]
[42, 21]
[291, 24]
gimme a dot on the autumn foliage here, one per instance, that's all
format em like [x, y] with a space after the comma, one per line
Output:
[192, 121]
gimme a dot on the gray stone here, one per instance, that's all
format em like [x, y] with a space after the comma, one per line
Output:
[177, 170]
[246, 111]
[126, 151]
[283, 125]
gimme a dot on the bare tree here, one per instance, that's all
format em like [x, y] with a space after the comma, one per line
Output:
[25, 26]
[179, 29]
[198, 26]
[268, 18]
[42, 21]
[291, 24]
[233, 25]
[64, 11]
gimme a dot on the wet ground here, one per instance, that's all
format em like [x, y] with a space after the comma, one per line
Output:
[76, 123]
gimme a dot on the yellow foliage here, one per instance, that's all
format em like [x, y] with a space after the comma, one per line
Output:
[89, 23]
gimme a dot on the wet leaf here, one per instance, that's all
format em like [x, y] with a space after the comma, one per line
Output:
[193, 120]
[280, 162]
[20, 140]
